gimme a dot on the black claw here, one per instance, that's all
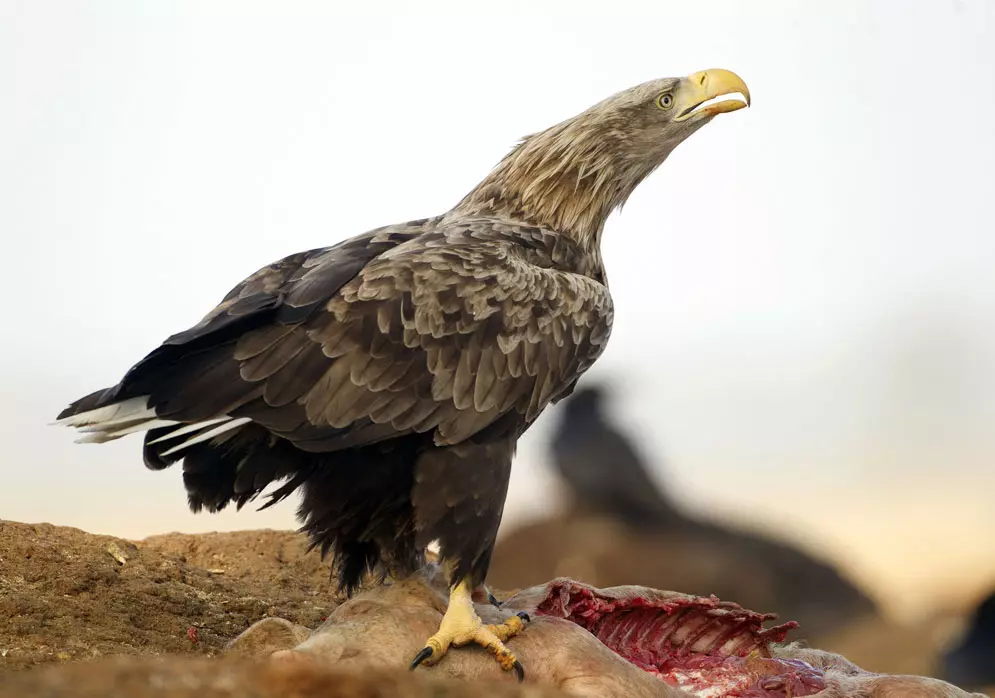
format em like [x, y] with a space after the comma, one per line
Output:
[492, 600]
[524, 616]
[421, 657]
[519, 670]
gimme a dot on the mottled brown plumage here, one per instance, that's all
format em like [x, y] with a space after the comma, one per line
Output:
[388, 377]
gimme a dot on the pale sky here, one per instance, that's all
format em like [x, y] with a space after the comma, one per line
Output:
[804, 290]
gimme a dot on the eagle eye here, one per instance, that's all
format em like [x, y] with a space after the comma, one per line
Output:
[665, 101]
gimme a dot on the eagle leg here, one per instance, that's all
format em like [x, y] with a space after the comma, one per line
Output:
[461, 626]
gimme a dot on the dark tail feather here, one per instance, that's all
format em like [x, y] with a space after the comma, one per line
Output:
[355, 504]
[98, 398]
[234, 467]
[152, 453]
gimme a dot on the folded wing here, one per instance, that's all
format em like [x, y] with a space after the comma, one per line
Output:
[412, 329]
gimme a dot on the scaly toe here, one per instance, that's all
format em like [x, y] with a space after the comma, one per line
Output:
[509, 662]
[510, 627]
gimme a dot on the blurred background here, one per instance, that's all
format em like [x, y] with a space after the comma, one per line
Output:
[803, 358]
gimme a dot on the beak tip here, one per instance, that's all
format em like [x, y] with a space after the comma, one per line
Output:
[717, 82]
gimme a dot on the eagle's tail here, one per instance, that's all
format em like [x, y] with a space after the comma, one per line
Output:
[223, 462]
[355, 503]
[100, 421]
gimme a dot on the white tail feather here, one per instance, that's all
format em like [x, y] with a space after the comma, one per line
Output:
[204, 436]
[126, 410]
[97, 438]
[113, 424]
[134, 415]
[196, 426]
[144, 426]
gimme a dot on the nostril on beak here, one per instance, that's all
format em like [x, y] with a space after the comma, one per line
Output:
[701, 80]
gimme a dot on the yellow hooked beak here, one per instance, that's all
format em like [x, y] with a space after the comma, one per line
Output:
[701, 87]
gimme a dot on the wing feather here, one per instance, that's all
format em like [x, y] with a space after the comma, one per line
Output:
[463, 382]
[258, 341]
[296, 377]
[391, 375]
[530, 355]
[486, 378]
[274, 358]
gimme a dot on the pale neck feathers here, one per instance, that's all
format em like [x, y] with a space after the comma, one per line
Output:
[568, 178]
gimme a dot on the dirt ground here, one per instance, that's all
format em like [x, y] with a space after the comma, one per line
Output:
[69, 595]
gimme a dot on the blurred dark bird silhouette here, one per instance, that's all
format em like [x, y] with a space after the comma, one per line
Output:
[607, 474]
[971, 663]
[622, 527]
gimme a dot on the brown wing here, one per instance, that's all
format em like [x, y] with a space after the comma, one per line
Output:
[281, 295]
[445, 333]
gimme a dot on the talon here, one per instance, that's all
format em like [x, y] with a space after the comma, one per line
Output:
[421, 657]
[519, 671]
[524, 616]
[492, 600]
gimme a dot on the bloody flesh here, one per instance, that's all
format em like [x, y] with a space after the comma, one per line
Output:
[707, 647]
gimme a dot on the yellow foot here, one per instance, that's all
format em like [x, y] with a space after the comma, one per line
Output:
[461, 626]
